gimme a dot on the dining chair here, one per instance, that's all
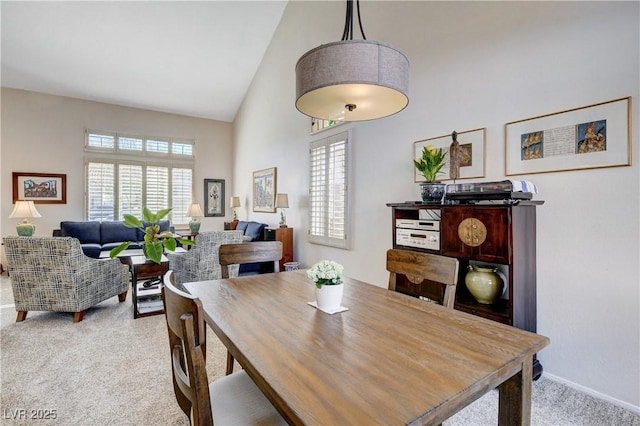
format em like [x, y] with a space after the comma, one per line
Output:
[257, 251]
[229, 400]
[424, 268]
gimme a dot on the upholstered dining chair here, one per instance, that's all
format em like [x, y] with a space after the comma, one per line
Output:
[424, 269]
[200, 262]
[229, 400]
[53, 274]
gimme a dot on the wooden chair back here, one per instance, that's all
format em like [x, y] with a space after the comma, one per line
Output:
[187, 343]
[419, 267]
[253, 252]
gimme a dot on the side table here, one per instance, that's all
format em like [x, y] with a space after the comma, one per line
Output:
[147, 300]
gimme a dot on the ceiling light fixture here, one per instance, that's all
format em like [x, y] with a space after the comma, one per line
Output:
[352, 80]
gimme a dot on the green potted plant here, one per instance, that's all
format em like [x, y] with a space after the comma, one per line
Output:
[430, 166]
[155, 241]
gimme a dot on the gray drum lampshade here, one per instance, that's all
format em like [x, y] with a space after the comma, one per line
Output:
[352, 80]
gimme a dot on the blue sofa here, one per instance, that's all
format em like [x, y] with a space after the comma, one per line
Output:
[253, 231]
[98, 236]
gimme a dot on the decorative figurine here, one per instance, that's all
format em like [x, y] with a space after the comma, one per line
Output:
[454, 157]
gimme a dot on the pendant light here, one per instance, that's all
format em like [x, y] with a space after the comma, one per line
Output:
[352, 80]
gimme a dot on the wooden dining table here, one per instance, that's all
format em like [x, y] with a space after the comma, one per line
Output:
[389, 359]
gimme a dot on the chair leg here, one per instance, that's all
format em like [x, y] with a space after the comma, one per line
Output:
[77, 316]
[122, 297]
[229, 363]
[22, 315]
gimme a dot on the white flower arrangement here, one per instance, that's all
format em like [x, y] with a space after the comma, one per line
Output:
[326, 272]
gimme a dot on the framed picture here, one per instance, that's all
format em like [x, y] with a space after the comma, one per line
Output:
[588, 137]
[41, 188]
[472, 157]
[264, 190]
[213, 197]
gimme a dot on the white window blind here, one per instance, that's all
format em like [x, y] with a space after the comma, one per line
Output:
[100, 191]
[181, 194]
[328, 184]
[130, 190]
[128, 179]
[157, 188]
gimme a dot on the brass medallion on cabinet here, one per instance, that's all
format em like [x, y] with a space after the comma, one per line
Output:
[479, 233]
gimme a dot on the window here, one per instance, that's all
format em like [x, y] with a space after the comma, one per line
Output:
[328, 184]
[125, 173]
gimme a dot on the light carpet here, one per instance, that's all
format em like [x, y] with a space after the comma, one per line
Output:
[110, 369]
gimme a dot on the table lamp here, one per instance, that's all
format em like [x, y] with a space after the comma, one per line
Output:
[25, 209]
[194, 211]
[235, 203]
[282, 202]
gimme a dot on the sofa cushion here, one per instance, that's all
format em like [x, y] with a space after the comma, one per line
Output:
[254, 230]
[242, 226]
[86, 232]
[117, 232]
[92, 249]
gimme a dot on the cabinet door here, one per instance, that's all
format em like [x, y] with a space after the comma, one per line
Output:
[480, 233]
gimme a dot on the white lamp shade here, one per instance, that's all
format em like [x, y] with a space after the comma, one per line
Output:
[234, 202]
[370, 76]
[282, 201]
[24, 209]
[194, 210]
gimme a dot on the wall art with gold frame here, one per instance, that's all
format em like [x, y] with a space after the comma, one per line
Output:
[588, 137]
[264, 190]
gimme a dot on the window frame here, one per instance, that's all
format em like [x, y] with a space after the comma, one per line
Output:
[118, 157]
[325, 239]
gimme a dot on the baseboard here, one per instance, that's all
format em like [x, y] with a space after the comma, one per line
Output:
[634, 409]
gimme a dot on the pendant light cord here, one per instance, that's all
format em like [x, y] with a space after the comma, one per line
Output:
[347, 33]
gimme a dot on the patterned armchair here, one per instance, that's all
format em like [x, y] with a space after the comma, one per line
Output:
[53, 274]
[200, 263]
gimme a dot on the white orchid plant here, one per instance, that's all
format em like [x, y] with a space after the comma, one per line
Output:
[326, 272]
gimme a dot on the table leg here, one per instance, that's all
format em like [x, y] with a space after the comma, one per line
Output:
[515, 397]
[134, 290]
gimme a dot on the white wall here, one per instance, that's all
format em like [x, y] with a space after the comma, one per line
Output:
[480, 64]
[45, 134]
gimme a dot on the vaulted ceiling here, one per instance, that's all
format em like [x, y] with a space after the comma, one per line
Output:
[184, 57]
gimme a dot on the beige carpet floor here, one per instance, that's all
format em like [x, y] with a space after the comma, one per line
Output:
[110, 369]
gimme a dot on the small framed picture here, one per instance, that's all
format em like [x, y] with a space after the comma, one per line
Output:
[41, 188]
[213, 197]
[264, 190]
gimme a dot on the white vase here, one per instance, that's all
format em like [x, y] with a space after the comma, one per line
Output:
[329, 297]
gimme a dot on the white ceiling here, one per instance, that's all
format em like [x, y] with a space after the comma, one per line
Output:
[184, 57]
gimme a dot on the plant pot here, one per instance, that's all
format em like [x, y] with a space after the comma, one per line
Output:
[484, 283]
[432, 192]
[329, 297]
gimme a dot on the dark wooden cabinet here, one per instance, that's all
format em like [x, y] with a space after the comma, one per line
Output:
[477, 233]
[285, 236]
[499, 235]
